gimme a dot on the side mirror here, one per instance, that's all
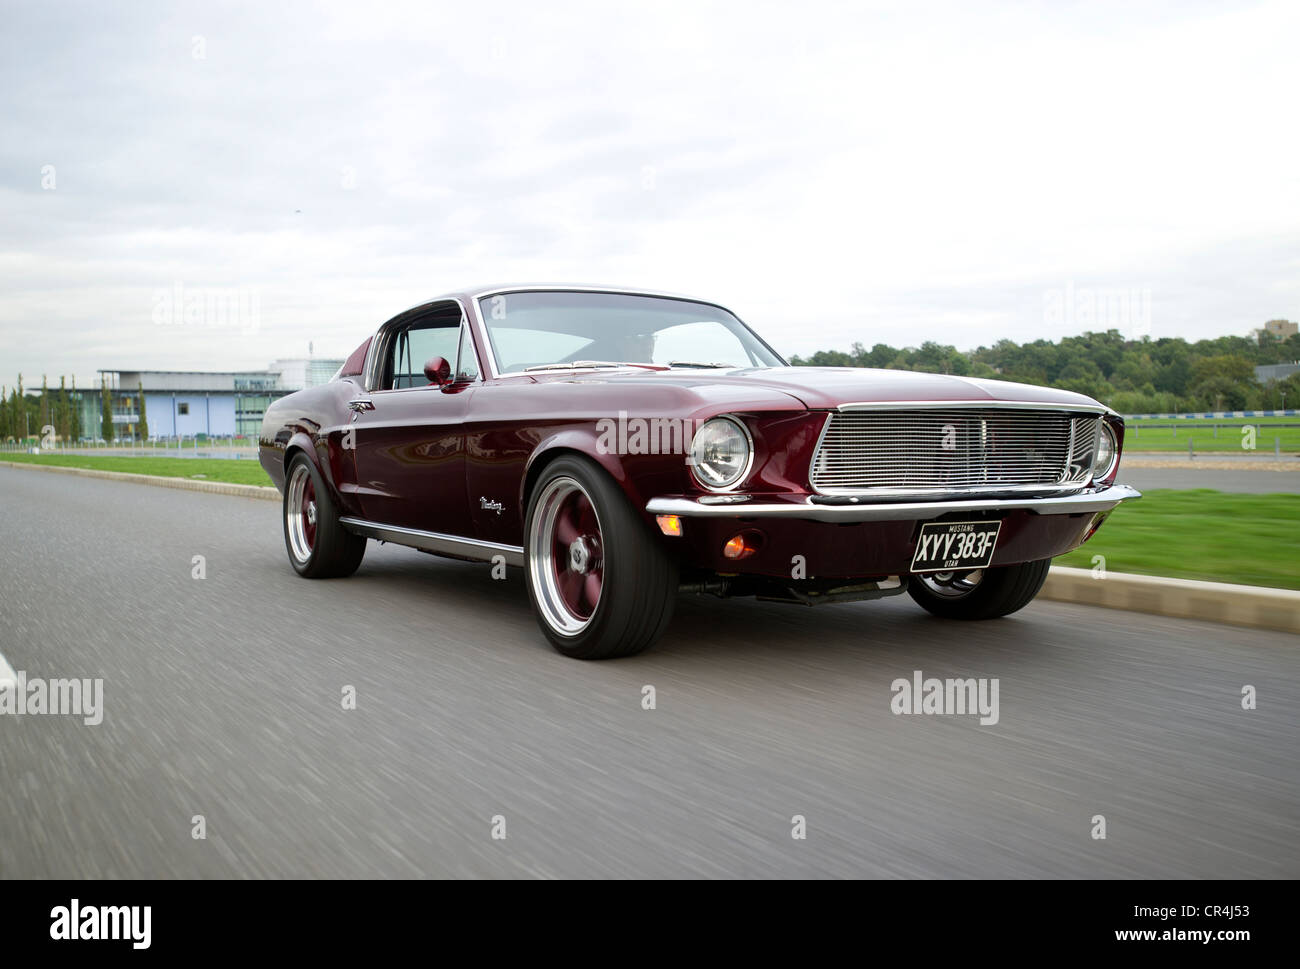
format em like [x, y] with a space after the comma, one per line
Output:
[438, 371]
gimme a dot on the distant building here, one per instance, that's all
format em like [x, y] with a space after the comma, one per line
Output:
[301, 374]
[189, 403]
[1276, 371]
[1279, 329]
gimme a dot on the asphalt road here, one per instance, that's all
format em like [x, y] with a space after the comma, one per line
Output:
[222, 698]
[1246, 459]
[1245, 482]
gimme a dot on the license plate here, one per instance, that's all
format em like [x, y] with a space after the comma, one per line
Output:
[955, 546]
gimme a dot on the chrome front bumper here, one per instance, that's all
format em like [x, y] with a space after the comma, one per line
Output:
[861, 510]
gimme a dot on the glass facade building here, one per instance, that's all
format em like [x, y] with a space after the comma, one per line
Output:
[189, 404]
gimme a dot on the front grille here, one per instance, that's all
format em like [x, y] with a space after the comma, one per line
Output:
[958, 448]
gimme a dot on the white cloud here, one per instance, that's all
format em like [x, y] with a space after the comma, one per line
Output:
[834, 172]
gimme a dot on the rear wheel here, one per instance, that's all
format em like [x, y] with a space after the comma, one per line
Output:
[600, 582]
[319, 546]
[981, 593]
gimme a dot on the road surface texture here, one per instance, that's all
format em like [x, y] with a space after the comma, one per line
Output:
[1245, 482]
[1259, 460]
[222, 698]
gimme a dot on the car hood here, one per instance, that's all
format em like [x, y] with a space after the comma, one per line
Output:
[825, 388]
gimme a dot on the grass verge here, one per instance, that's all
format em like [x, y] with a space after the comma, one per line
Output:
[212, 469]
[1215, 436]
[1201, 534]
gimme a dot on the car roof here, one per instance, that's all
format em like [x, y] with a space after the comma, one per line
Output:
[471, 293]
[477, 292]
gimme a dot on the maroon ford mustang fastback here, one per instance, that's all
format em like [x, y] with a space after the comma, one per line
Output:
[624, 446]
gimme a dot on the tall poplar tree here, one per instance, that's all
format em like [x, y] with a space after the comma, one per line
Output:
[61, 410]
[144, 420]
[106, 415]
[74, 422]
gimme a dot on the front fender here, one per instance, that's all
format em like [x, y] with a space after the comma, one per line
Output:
[583, 442]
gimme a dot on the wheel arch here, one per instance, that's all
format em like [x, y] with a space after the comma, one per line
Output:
[574, 443]
[302, 443]
[299, 443]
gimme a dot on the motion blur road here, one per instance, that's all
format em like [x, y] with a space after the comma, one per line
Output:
[222, 698]
[1243, 482]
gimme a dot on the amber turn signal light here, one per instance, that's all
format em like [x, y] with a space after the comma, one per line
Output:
[741, 545]
[670, 525]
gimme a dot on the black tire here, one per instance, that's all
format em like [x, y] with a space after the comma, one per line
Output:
[637, 578]
[327, 550]
[998, 592]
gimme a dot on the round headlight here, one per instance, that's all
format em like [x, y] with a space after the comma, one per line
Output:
[721, 453]
[1103, 459]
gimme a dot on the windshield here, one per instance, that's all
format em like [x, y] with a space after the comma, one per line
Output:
[550, 329]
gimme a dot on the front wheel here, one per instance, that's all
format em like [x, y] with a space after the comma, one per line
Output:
[981, 593]
[600, 581]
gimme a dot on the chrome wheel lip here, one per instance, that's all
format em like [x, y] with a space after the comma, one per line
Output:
[543, 569]
[952, 585]
[297, 508]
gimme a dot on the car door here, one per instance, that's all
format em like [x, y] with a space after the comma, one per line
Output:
[410, 446]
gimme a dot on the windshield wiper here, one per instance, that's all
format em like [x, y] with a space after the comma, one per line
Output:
[587, 364]
[705, 366]
[575, 365]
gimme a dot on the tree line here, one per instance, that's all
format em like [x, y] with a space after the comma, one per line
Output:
[1133, 376]
[25, 413]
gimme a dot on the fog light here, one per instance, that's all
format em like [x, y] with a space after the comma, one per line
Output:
[742, 545]
[670, 525]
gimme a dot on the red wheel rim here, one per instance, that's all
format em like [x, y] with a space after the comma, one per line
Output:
[309, 513]
[565, 556]
[576, 555]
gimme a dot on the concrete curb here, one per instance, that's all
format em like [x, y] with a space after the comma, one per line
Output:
[184, 484]
[1236, 605]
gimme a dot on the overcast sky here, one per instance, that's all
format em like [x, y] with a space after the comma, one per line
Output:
[832, 172]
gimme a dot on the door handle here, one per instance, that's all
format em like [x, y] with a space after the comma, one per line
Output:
[361, 404]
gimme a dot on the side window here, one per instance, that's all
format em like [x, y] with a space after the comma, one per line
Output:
[466, 361]
[413, 347]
